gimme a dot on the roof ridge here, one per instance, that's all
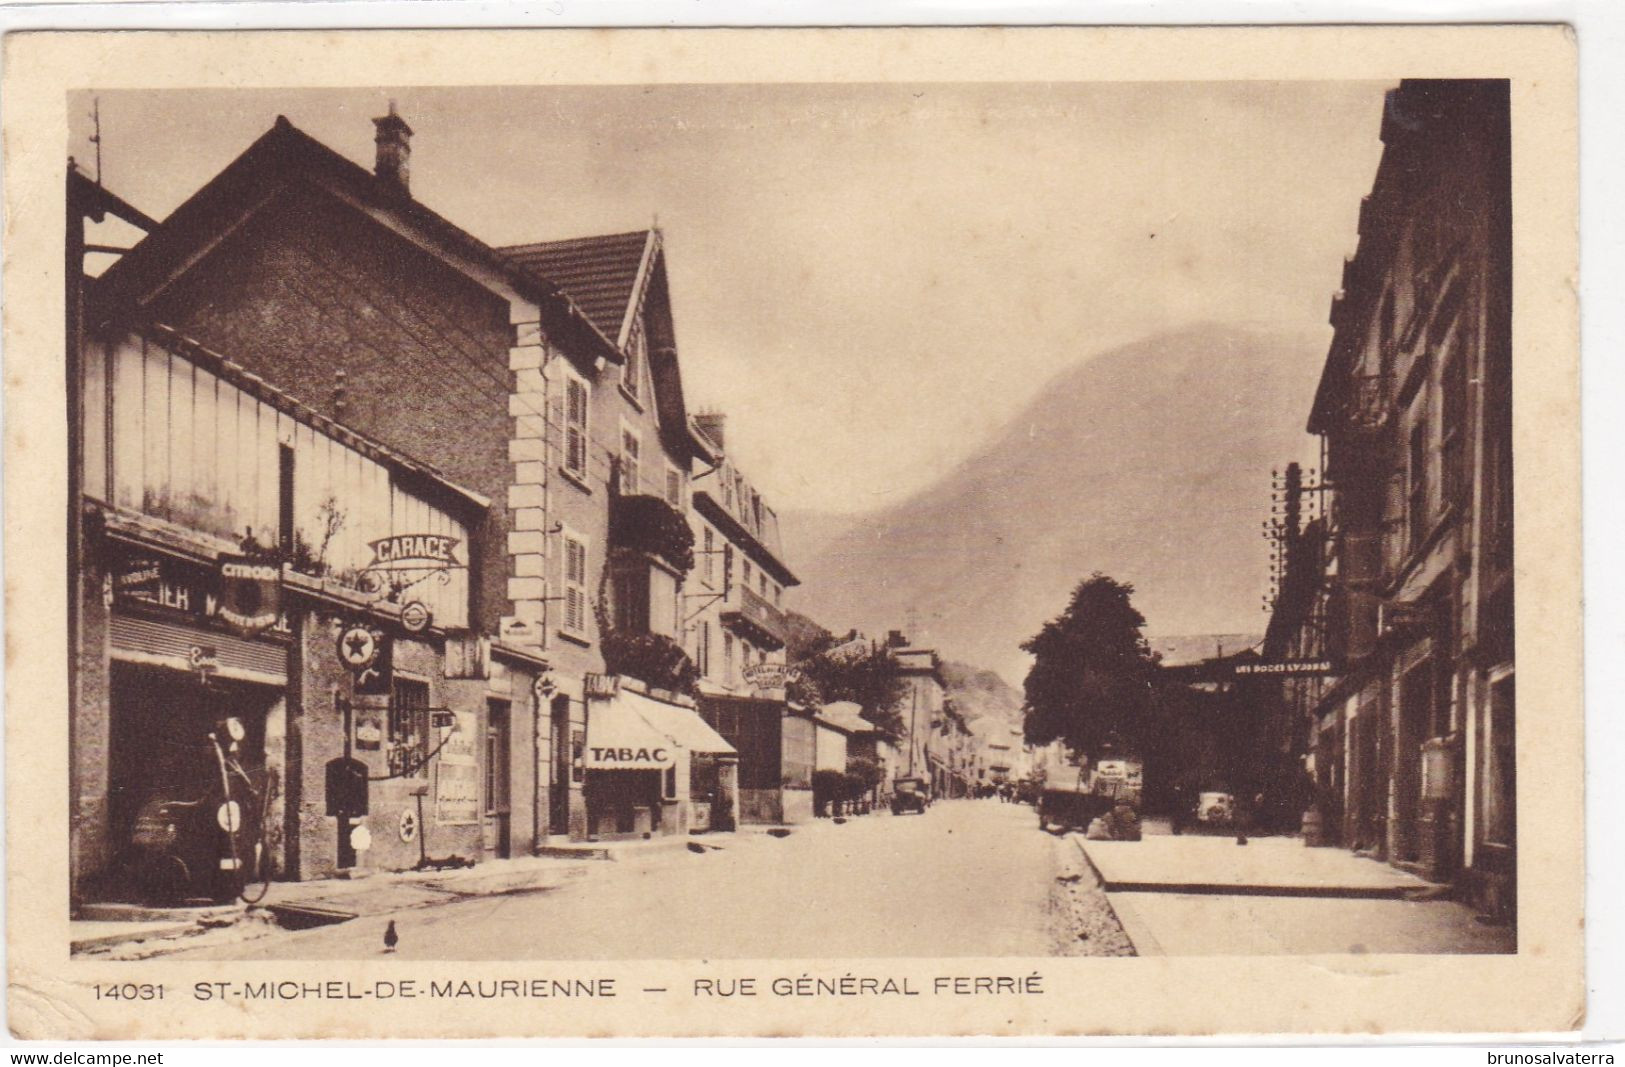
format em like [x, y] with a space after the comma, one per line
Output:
[582, 239]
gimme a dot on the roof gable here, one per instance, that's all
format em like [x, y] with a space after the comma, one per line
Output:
[286, 158]
[605, 275]
[614, 278]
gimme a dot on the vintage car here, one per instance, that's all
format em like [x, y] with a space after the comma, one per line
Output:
[910, 794]
[1074, 793]
[1215, 809]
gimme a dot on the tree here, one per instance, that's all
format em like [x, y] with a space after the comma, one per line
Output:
[1090, 680]
[868, 676]
[847, 668]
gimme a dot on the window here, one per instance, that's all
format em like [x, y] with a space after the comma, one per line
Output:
[409, 727]
[1453, 428]
[285, 499]
[702, 650]
[1387, 341]
[631, 455]
[575, 426]
[575, 584]
[1417, 495]
[747, 573]
[727, 659]
[727, 568]
[706, 569]
[762, 585]
[637, 354]
[778, 594]
[674, 487]
[663, 602]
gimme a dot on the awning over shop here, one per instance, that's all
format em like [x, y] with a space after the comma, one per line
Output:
[634, 733]
[682, 725]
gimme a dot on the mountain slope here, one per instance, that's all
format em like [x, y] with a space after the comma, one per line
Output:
[981, 692]
[1150, 462]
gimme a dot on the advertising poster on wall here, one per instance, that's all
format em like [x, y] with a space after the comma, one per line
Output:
[456, 777]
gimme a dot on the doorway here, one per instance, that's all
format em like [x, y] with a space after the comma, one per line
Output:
[498, 807]
[160, 753]
[558, 792]
[1415, 721]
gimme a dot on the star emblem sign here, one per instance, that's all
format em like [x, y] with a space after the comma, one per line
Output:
[357, 648]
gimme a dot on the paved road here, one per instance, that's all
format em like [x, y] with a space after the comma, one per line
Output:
[968, 878]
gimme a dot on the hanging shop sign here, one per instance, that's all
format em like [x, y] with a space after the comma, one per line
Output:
[1288, 667]
[250, 593]
[416, 616]
[415, 548]
[602, 686]
[769, 675]
[457, 780]
[358, 648]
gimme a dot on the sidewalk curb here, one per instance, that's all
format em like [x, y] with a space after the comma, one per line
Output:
[164, 933]
[1134, 928]
[1139, 932]
[1226, 889]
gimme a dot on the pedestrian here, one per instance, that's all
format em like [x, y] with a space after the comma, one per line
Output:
[1182, 808]
[1245, 810]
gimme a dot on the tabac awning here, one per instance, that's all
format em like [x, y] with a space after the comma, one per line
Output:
[634, 733]
[682, 725]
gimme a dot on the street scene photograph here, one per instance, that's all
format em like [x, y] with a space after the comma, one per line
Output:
[791, 521]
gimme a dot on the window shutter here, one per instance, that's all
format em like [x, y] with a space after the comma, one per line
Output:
[575, 432]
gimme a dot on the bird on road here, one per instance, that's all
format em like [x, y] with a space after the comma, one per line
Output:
[391, 938]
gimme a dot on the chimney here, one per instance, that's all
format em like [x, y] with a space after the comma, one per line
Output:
[394, 141]
[710, 424]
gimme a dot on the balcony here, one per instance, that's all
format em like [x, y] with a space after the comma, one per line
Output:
[1359, 558]
[649, 525]
[755, 618]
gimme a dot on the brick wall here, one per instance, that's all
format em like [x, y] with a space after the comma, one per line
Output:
[308, 287]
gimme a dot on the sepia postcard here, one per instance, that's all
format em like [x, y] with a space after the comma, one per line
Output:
[792, 533]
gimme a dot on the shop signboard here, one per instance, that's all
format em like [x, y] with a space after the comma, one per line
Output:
[197, 594]
[457, 779]
[165, 584]
[250, 593]
[1288, 667]
[415, 548]
[769, 675]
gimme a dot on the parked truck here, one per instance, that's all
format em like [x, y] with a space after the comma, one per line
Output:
[1076, 791]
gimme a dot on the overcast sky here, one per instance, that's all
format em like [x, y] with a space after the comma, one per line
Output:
[869, 280]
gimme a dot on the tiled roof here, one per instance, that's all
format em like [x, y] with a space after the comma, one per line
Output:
[599, 273]
[287, 157]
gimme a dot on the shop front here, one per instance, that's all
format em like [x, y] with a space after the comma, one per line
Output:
[655, 768]
[179, 766]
